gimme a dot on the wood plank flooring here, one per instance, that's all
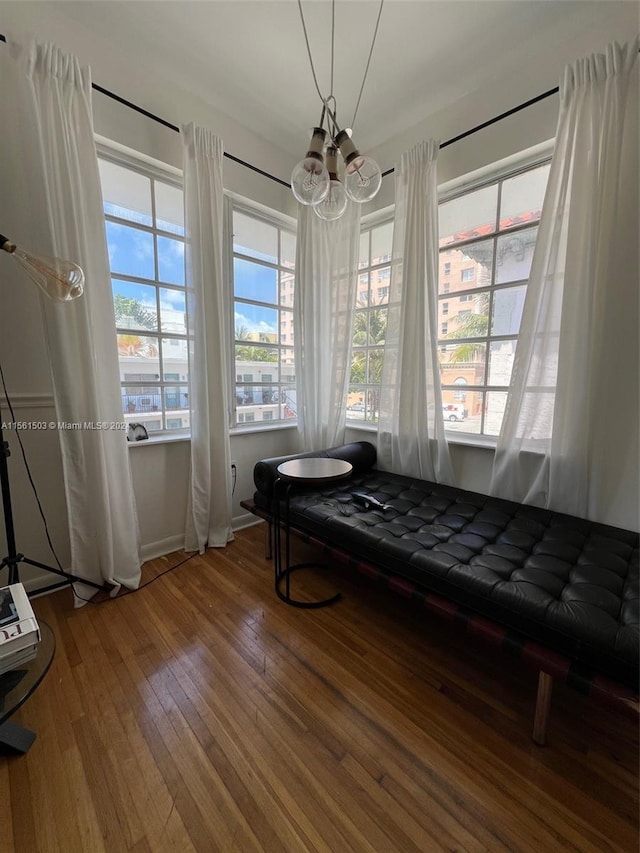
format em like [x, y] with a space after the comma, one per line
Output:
[201, 713]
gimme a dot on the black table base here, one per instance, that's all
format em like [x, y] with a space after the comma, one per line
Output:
[282, 562]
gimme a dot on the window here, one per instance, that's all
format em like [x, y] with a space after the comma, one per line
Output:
[370, 322]
[145, 236]
[263, 286]
[487, 234]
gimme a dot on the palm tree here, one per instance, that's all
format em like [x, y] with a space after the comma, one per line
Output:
[473, 325]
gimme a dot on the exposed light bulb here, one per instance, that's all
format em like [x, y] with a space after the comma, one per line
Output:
[334, 203]
[310, 178]
[363, 181]
[60, 280]
[363, 176]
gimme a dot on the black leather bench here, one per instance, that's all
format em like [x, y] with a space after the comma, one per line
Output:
[562, 590]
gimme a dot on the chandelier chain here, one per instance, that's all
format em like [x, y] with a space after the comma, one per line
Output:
[313, 69]
[366, 70]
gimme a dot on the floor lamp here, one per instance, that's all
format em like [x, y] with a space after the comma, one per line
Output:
[61, 281]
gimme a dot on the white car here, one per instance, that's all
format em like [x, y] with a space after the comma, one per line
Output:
[454, 411]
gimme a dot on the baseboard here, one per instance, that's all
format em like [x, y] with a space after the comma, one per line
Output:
[247, 519]
[162, 547]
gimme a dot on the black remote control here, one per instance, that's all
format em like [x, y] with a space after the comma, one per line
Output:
[369, 501]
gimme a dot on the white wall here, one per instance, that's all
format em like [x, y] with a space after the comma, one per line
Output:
[161, 472]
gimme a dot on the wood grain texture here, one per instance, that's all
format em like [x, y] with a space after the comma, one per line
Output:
[203, 714]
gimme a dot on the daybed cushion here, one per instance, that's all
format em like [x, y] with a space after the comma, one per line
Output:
[568, 583]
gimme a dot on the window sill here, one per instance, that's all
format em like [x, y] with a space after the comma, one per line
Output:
[159, 439]
[468, 439]
[257, 427]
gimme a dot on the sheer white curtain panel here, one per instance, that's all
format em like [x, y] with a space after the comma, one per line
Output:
[52, 204]
[411, 437]
[579, 335]
[326, 271]
[209, 510]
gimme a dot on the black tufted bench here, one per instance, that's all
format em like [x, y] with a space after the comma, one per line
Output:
[560, 591]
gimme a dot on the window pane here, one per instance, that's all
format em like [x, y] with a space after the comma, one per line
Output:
[375, 366]
[287, 366]
[288, 406]
[173, 311]
[358, 373]
[469, 316]
[462, 269]
[462, 361]
[169, 208]
[380, 281]
[287, 289]
[130, 251]
[496, 402]
[507, 310]
[126, 194]
[134, 305]
[462, 415]
[170, 260]
[362, 297]
[255, 323]
[286, 328]
[501, 355]
[252, 360]
[381, 238]
[470, 215]
[522, 197]
[514, 254]
[253, 281]
[176, 397]
[175, 358]
[255, 238]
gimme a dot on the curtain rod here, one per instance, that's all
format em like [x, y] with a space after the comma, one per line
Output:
[451, 141]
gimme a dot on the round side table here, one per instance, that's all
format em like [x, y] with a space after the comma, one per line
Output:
[301, 472]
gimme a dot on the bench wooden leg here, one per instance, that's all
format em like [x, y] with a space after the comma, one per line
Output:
[543, 704]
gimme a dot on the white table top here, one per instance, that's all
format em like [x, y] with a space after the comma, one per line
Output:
[314, 469]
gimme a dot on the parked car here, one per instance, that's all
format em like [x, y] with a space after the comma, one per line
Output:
[357, 407]
[454, 411]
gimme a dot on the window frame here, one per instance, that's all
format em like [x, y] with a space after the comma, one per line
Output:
[376, 220]
[281, 222]
[155, 171]
[497, 173]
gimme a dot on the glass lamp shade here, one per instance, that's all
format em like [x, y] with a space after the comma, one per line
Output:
[334, 204]
[362, 179]
[309, 180]
[60, 280]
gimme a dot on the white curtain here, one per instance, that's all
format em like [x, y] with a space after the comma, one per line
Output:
[208, 521]
[326, 271]
[579, 325]
[51, 193]
[411, 438]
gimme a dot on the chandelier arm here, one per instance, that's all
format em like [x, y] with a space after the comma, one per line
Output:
[366, 70]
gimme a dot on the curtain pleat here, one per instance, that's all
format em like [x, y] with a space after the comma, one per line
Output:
[411, 437]
[326, 271]
[208, 521]
[568, 355]
[50, 169]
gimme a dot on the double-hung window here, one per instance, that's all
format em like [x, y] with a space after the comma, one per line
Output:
[144, 223]
[370, 322]
[264, 251]
[487, 237]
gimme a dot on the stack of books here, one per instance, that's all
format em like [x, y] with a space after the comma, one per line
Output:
[19, 631]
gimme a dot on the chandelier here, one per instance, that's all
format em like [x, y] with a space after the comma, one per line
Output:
[316, 180]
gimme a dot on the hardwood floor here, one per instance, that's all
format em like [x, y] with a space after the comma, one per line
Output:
[201, 713]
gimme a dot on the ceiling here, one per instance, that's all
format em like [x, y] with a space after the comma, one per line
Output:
[248, 58]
